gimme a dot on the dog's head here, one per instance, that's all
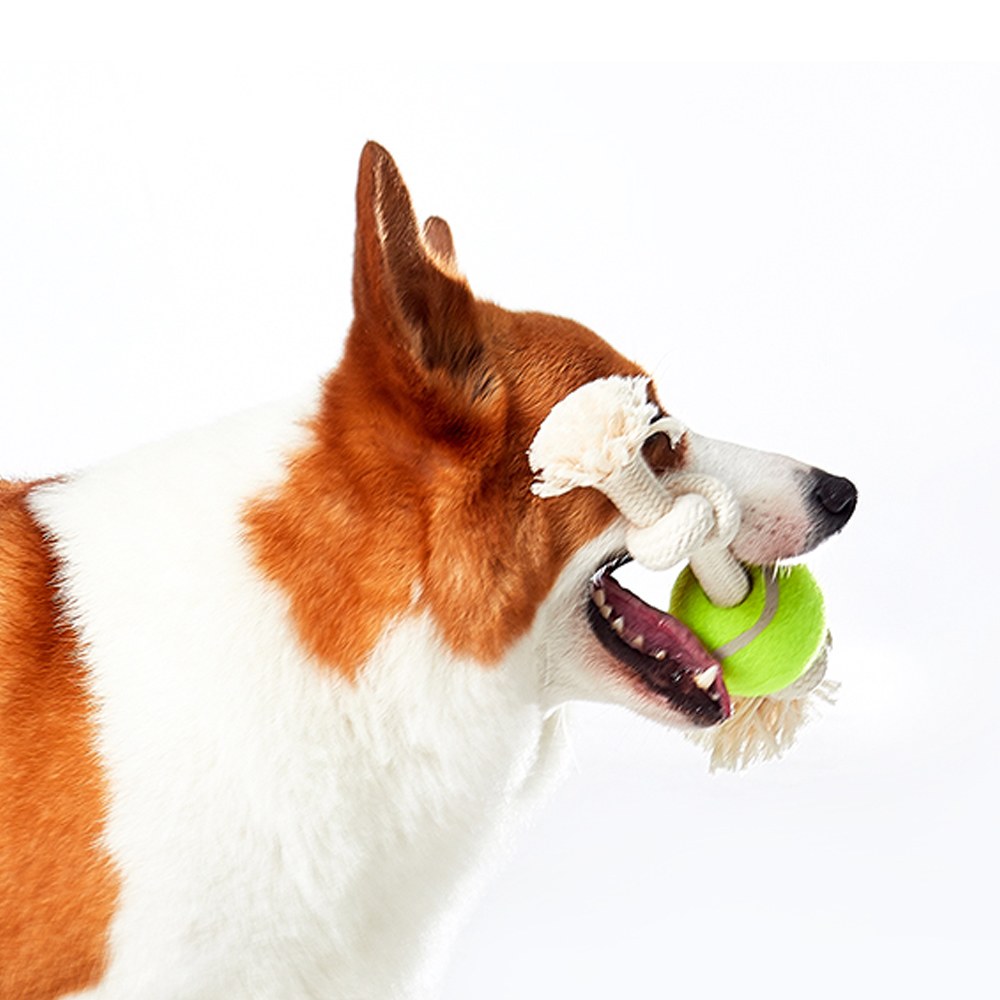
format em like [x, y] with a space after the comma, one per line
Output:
[417, 497]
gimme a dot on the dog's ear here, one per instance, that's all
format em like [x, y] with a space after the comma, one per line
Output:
[406, 285]
[437, 236]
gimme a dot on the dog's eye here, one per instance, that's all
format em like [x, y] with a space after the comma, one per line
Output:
[660, 455]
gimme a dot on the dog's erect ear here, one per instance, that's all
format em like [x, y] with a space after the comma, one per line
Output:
[437, 236]
[406, 285]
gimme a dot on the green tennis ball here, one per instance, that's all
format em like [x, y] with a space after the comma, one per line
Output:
[763, 644]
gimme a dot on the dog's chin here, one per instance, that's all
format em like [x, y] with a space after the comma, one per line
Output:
[647, 659]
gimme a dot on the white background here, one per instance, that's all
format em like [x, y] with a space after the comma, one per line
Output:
[806, 256]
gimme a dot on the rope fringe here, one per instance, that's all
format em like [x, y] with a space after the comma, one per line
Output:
[760, 728]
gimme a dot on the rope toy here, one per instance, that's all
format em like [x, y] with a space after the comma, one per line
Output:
[766, 628]
[594, 437]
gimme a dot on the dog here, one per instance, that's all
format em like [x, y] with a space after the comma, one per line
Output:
[271, 691]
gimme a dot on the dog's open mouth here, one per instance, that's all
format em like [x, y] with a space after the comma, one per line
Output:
[660, 654]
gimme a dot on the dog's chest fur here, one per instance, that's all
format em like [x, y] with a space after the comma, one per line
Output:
[280, 829]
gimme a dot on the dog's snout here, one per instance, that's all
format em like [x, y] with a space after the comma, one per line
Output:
[834, 498]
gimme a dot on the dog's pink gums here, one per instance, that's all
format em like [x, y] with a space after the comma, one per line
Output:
[666, 657]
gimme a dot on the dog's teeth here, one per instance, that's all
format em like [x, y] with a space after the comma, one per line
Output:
[637, 643]
[598, 597]
[706, 678]
[607, 611]
[660, 654]
[618, 624]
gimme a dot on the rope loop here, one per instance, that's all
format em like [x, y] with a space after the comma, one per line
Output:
[725, 506]
[594, 437]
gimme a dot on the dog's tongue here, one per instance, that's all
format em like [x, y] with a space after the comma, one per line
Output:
[668, 656]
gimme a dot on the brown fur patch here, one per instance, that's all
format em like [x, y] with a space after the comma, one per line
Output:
[399, 495]
[495, 548]
[57, 889]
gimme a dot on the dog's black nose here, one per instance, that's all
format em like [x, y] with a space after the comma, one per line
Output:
[835, 494]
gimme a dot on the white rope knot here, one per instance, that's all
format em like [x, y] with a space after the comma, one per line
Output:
[594, 437]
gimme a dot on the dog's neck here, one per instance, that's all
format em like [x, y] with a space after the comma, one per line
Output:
[349, 813]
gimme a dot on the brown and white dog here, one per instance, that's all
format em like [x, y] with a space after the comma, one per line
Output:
[270, 691]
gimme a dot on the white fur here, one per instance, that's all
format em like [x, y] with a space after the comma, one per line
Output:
[279, 831]
[771, 490]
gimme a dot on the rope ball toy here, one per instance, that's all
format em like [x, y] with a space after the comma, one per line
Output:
[764, 625]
